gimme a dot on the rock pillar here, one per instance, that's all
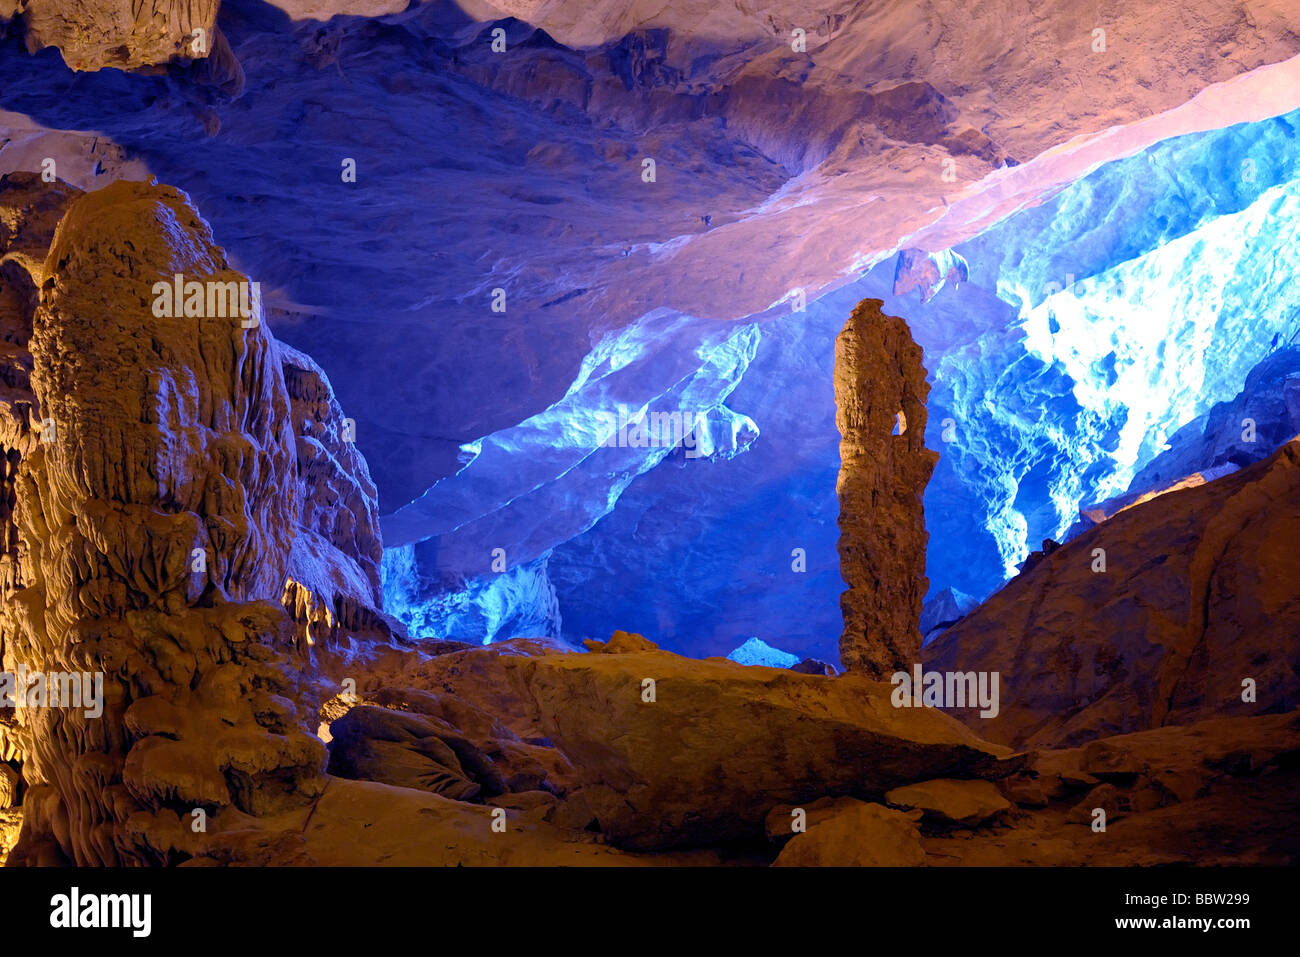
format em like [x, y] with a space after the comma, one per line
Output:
[880, 393]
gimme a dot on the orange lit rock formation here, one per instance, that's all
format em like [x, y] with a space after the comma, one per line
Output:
[880, 388]
[162, 481]
[1192, 613]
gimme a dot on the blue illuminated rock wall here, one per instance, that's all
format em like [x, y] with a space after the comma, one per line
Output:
[1179, 263]
[1173, 280]
[701, 555]
[1145, 293]
[1092, 328]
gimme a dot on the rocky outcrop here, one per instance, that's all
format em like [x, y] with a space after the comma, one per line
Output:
[91, 36]
[785, 821]
[1253, 425]
[943, 611]
[880, 388]
[1264, 416]
[856, 834]
[1218, 792]
[928, 272]
[156, 513]
[964, 803]
[340, 502]
[1173, 611]
[333, 588]
[409, 750]
[684, 752]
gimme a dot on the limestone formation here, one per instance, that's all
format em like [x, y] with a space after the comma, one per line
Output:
[188, 522]
[708, 758]
[333, 586]
[781, 820]
[943, 611]
[161, 482]
[857, 835]
[8, 787]
[1176, 610]
[968, 803]
[122, 35]
[928, 272]
[408, 750]
[621, 642]
[880, 389]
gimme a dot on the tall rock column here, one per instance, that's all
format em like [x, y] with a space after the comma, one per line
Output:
[878, 375]
[155, 517]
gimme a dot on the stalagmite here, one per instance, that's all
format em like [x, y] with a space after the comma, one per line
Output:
[880, 393]
[177, 515]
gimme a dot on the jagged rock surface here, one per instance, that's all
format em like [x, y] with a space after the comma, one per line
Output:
[943, 611]
[1217, 792]
[1262, 417]
[8, 787]
[708, 758]
[157, 502]
[880, 387]
[333, 587]
[94, 35]
[780, 824]
[1197, 597]
[408, 750]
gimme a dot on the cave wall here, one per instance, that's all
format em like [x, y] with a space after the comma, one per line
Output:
[589, 253]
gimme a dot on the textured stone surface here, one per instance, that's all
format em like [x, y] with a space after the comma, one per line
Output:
[10, 824]
[112, 33]
[1198, 596]
[361, 823]
[8, 787]
[621, 642]
[880, 387]
[808, 168]
[1245, 429]
[943, 611]
[927, 273]
[856, 834]
[708, 758]
[1217, 792]
[1251, 426]
[778, 169]
[780, 821]
[968, 803]
[408, 750]
[156, 506]
[162, 443]
[340, 502]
